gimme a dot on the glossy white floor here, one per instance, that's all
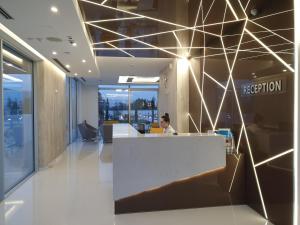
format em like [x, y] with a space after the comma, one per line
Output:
[77, 190]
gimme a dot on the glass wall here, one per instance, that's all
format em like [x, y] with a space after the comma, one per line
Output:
[68, 124]
[117, 102]
[143, 108]
[18, 117]
[73, 109]
[113, 103]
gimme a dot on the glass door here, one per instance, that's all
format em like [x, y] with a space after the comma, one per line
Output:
[113, 104]
[18, 142]
[143, 108]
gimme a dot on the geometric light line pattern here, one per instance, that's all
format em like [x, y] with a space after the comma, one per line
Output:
[177, 39]
[273, 14]
[247, 4]
[121, 50]
[201, 95]
[190, 116]
[196, 20]
[143, 16]
[142, 42]
[257, 24]
[274, 157]
[272, 52]
[203, 65]
[236, 167]
[239, 140]
[232, 10]
[115, 19]
[240, 111]
[214, 80]
[244, 9]
[236, 49]
[211, 5]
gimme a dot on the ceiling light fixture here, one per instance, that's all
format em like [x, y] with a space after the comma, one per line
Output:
[84, 61]
[75, 74]
[12, 57]
[145, 17]
[136, 79]
[90, 71]
[54, 9]
[68, 66]
[54, 53]
[74, 44]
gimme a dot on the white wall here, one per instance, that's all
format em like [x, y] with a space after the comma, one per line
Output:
[174, 94]
[88, 104]
[167, 93]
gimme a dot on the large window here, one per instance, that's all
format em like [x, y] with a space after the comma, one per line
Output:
[117, 102]
[18, 117]
[73, 108]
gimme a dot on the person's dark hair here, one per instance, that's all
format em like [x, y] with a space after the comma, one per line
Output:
[166, 118]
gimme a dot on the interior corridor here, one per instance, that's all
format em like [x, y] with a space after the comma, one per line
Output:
[77, 189]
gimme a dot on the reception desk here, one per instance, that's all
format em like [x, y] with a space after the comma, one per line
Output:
[144, 163]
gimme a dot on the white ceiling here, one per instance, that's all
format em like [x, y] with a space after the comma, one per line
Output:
[34, 22]
[113, 67]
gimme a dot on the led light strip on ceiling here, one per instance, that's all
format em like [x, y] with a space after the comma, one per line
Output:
[113, 20]
[143, 16]
[121, 50]
[170, 31]
[195, 23]
[122, 35]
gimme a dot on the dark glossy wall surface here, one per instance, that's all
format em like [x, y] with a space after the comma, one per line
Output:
[260, 116]
[241, 63]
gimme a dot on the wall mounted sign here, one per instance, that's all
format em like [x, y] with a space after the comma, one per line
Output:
[264, 86]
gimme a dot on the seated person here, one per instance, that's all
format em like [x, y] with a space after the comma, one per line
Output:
[165, 124]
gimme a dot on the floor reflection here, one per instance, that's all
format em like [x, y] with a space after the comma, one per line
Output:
[77, 190]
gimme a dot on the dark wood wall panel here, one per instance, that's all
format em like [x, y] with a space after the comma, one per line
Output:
[206, 190]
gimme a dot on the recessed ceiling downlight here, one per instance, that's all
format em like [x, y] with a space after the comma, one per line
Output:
[54, 9]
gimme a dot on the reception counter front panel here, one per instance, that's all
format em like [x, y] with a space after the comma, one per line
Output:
[161, 172]
[144, 163]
